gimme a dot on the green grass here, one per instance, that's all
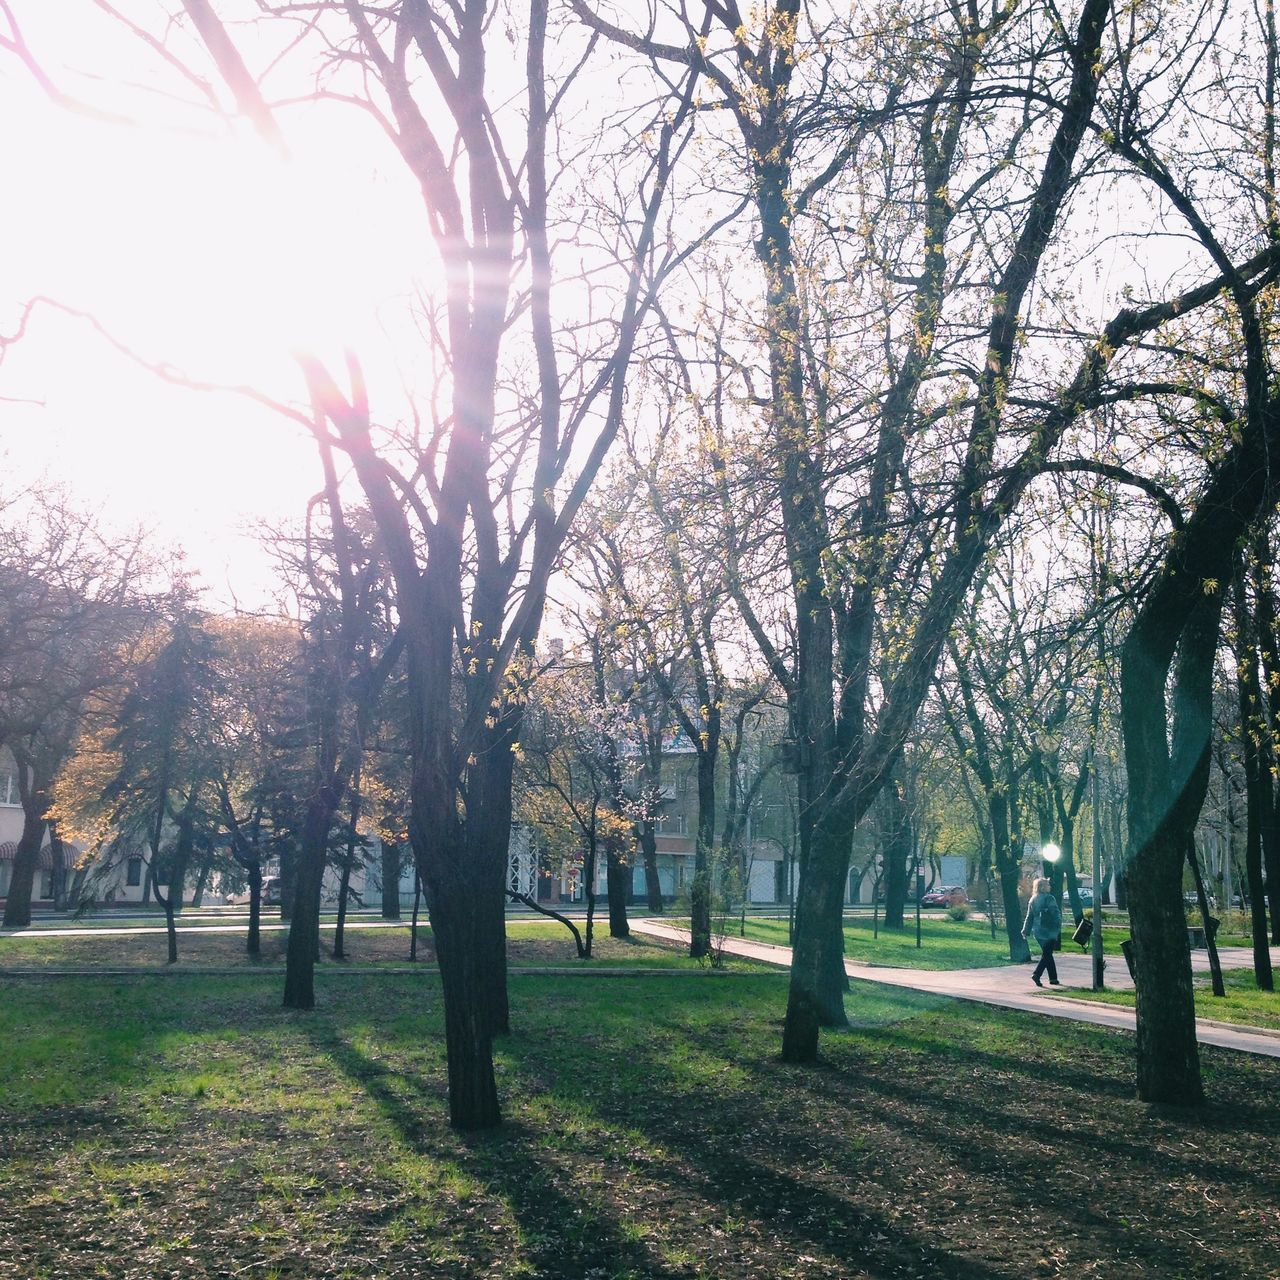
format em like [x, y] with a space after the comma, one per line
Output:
[945, 944]
[531, 944]
[192, 1127]
[1243, 1002]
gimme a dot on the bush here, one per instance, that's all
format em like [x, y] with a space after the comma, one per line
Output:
[959, 911]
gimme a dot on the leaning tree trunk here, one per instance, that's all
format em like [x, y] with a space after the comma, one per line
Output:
[1210, 928]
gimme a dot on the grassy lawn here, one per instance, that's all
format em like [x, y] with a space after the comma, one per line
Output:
[1243, 1003]
[531, 943]
[191, 1128]
[946, 944]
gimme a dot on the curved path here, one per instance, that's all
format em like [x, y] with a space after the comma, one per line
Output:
[1010, 987]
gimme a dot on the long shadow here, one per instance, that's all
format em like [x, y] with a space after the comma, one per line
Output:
[990, 1142]
[715, 1165]
[508, 1162]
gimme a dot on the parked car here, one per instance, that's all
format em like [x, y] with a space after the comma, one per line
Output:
[944, 896]
[271, 891]
[1086, 896]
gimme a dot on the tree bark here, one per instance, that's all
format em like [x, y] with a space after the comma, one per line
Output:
[618, 875]
[700, 890]
[33, 792]
[649, 857]
[390, 881]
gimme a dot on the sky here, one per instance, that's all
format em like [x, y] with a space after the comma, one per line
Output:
[196, 245]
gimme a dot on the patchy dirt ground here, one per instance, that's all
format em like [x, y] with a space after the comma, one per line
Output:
[190, 1128]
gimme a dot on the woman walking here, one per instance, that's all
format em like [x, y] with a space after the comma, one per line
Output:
[1044, 923]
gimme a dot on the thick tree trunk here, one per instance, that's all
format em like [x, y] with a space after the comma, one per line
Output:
[26, 862]
[390, 881]
[304, 924]
[1165, 795]
[649, 857]
[816, 998]
[469, 1012]
[1009, 870]
[701, 889]
[618, 879]
[253, 943]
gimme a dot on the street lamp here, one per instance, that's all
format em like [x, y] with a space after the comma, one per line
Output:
[1050, 852]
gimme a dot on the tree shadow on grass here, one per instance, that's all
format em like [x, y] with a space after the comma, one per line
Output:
[713, 1164]
[562, 1234]
[1055, 1156]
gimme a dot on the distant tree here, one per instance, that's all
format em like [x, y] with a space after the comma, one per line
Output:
[70, 598]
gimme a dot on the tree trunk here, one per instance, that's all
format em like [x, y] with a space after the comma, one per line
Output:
[469, 1015]
[649, 856]
[1165, 795]
[618, 875]
[1009, 870]
[253, 944]
[202, 879]
[304, 925]
[700, 891]
[413, 921]
[1215, 963]
[344, 886]
[814, 999]
[26, 862]
[390, 881]
[1253, 729]
[896, 851]
[58, 855]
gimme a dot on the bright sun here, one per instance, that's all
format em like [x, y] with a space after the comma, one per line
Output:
[217, 256]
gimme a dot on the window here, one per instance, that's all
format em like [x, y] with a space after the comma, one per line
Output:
[9, 794]
[46, 884]
[161, 872]
[133, 872]
[6, 870]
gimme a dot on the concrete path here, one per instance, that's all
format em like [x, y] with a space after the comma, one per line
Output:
[1010, 986]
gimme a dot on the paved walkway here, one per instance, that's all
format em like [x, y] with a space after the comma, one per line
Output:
[1010, 987]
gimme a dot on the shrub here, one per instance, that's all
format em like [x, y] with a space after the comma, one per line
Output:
[959, 911]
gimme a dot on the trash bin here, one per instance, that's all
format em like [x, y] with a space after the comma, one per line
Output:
[1083, 932]
[1127, 947]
